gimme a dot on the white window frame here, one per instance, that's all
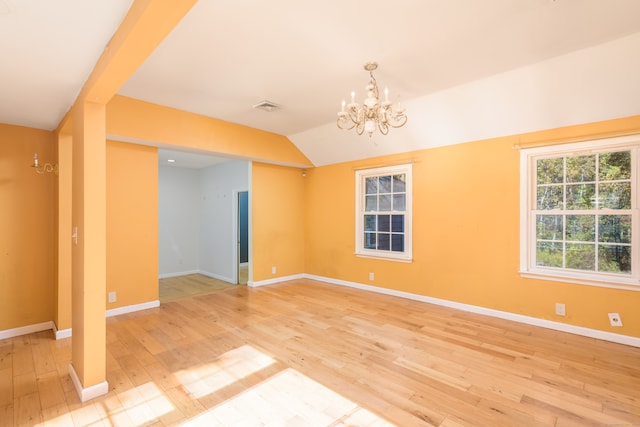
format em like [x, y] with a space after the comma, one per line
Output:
[361, 176]
[528, 268]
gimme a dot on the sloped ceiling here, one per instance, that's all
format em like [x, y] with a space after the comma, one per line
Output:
[227, 56]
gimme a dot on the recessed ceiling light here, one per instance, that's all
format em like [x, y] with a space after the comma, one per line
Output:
[171, 160]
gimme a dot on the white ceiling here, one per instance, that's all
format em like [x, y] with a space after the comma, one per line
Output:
[227, 55]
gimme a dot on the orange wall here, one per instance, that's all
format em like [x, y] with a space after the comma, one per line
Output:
[27, 238]
[154, 124]
[132, 223]
[277, 210]
[465, 233]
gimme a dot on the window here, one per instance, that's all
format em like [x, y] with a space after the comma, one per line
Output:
[579, 213]
[383, 213]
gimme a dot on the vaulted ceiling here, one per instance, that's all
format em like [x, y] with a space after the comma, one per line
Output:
[226, 56]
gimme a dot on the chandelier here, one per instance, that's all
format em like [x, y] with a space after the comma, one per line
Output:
[372, 114]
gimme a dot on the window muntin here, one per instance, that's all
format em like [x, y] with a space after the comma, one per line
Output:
[580, 216]
[383, 212]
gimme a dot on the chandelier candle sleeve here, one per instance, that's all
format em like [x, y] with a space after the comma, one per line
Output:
[372, 114]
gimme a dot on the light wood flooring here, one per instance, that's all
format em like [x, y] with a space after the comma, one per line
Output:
[305, 353]
[172, 288]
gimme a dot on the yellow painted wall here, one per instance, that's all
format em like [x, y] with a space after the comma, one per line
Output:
[465, 232]
[132, 223]
[62, 307]
[277, 209]
[27, 239]
[142, 121]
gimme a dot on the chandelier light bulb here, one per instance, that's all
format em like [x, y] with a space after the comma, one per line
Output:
[372, 114]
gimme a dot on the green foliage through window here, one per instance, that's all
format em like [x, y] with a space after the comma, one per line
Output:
[582, 212]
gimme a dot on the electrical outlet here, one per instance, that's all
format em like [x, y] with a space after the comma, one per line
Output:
[112, 297]
[372, 276]
[273, 270]
[614, 319]
[561, 309]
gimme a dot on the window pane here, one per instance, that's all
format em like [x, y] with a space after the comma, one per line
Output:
[371, 203]
[581, 256]
[549, 171]
[614, 228]
[399, 183]
[399, 202]
[615, 166]
[369, 223]
[549, 254]
[397, 242]
[384, 203]
[383, 241]
[397, 223]
[581, 196]
[384, 223]
[549, 197]
[549, 227]
[581, 228]
[613, 258]
[371, 185]
[581, 168]
[370, 240]
[615, 195]
[385, 184]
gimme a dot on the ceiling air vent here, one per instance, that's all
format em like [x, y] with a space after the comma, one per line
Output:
[267, 106]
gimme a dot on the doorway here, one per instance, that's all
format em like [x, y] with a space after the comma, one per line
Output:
[243, 237]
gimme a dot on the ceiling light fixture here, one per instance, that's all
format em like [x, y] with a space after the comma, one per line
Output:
[372, 114]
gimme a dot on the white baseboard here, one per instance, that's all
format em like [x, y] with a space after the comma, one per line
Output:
[534, 321]
[216, 276]
[24, 330]
[90, 392]
[66, 333]
[276, 280]
[133, 308]
[180, 273]
[62, 333]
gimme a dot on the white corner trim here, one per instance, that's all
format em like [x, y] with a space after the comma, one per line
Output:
[90, 392]
[276, 280]
[133, 308]
[24, 330]
[534, 321]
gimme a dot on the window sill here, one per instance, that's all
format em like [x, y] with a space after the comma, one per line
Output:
[406, 260]
[625, 284]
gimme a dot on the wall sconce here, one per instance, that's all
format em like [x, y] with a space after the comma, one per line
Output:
[42, 168]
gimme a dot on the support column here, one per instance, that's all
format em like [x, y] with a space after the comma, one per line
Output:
[62, 316]
[88, 362]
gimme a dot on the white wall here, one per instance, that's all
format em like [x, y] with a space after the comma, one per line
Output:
[179, 201]
[195, 217]
[218, 240]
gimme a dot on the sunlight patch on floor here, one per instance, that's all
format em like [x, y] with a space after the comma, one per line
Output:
[230, 367]
[288, 398]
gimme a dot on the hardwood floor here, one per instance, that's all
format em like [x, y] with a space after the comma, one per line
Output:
[305, 353]
[172, 288]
